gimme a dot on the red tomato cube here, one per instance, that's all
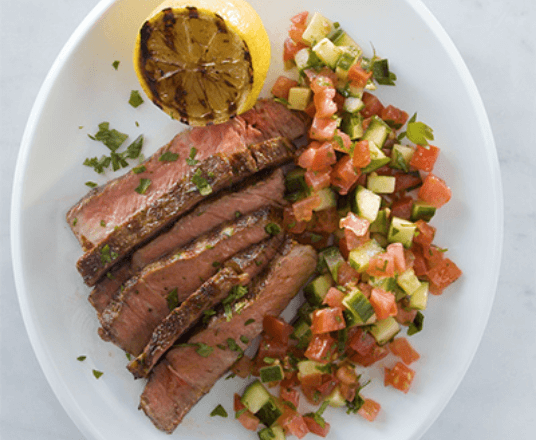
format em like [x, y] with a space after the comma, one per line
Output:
[282, 85]
[424, 158]
[402, 348]
[369, 410]
[399, 377]
[434, 191]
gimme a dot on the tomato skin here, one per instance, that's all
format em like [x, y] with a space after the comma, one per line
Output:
[282, 85]
[270, 348]
[434, 191]
[399, 377]
[404, 181]
[315, 428]
[362, 342]
[300, 18]
[426, 233]
[369, 410]
[361, 157]
[444, 274]
[320, 348]
[373, 106]
[334, 297]
[424, 158]
[419, 263]
[323, 129]
[383, 303]
[291, 48]
[402, 348]
[327, 320]
[344, 175]
[318, 179]
[394, 117]
[277, 329]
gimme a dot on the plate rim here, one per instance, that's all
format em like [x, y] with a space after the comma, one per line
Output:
[58, 385]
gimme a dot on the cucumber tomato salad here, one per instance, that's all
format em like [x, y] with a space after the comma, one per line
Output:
[363, 194]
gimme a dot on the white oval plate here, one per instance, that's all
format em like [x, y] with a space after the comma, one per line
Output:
[83, 89]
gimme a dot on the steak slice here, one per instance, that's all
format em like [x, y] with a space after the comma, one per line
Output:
[269, 191]
[178, 382]
[239, 270]
[211, 213]
[142, 303]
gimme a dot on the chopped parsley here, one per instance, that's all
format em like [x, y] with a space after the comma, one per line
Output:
[202, 349]
[201, 183]
[129, 356]
[107, 255]
[103, 223]
[113, 139]
[142, 187]
[418, 132]
[381, 72]
[219, 411]
[91, 184]
[191, 159]
[134, 149]
[249, 321]
[244, 339]
[233, 346]
[417, 324]
[272, 228]
[139, 170]
[173, 299]
[317, 416]
[97, 374]
[81, 358]
[135, 99]
[168, 156]
[75, 221]
[115, 64]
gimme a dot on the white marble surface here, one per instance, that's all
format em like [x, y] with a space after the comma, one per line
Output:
[497, 38]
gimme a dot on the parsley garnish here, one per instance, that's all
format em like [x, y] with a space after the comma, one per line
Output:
[97, 374]
[129, 356]
[219, 411]
[201, 183]
[75, 221]
[381, 72]
[244, 339]
[249, 321]
[191, 160]
[91, 184]
[317, 416]
[173, 299]
[417, 324]
[168, 156]
[418, 132]
[115, 64]
[103, 223]
[139, 170]
[272, 229]
[142, 187]
[81, 358]
[202, 349]
[233, 346]
[107, 255]
[113, 139]
[135, 99]
[134, 149]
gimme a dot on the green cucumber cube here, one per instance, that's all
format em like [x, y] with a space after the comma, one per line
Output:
[328, 199]
[299, 98]
[359, 257]
[422, 211]
[377, 159]
[271, 373]
[381, 224]
[401, 231]
[317, 289]
[401, 156]
[419, 298]
[381, 184]
[352, 124]
[327, 52]
[377, 131]
[333, 258]
[408, 281]
[385, 330]
[359, 306]
[367, 204]
[318, 28]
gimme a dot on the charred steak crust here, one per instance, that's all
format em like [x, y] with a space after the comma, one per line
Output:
[142, 303]
[240, 269]
[178, 382]
[220, 171]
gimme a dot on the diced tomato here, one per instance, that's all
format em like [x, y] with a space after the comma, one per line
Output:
[406, 181]
[329, 382]
[310, 110]
[320, 348]
[321, 83]
[303, 209]
[359, 226]
[369, 410]
[315, 427]
[306, 158]
[296, 33]
[327, 220]
[316, 240]
[419, 263]
[243, 367]
[373, 106]
[277, 329]
[353, 241]
[311, 394]
[399, 258]
[402, 207]
[433, 255]
[348, 391]
[300, 18]
[290, 223]
[346, 374]
[291, 379]
[291, 48]
[346, 142]
[375, 355]
[327, 320]
[362, 342]
[334, 297]
[361, 157]
[339, 100]
[434, 290]
[347, 274]
[383, 303]
[237, 402]
[424, 158]
[282, 85]
[409, 258]
[434, 191]
[424, 233]
[318, 179]
[290, 395]
[366, 123]
[323, 129]
[366, 289]
[325, 73]
[443, 274]
[399, 377]
[292, 422]
[311, 380]
[403, 316]
[246, 418]
[270, 348]
[394, 117]
[402, 348]
[381, 266]
[318, 157]
[325, 106]
[344, 175]
[358, 76]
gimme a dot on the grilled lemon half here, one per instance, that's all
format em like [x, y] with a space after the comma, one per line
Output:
[202, 61]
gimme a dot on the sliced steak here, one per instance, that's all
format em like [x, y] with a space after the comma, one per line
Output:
[209, 214]
[142, 303]
[108, 286]
[178, 382]
[239, 270]
[226, 153]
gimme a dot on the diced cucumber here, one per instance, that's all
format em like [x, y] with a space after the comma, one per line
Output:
[385, 330]
[381, 184]
[422, 211]
[271, 373]
[348, 89]
[387, 284]
[401, 231]
[408, 281]
[305, 312]
[419, 298]
[366, 203]
[318, 28]
[401, 156]
[327, 52]
[347, 59]
[377, 159]
[335, 398]
[328, 199]
[299, 98]
[352, 124]
[269, 412]
[295, 180]
[359, 258]
[377, 131]
[317, 289]
[274, 432]
[381, 224]
[300, 329]
[380, 238]
[353, 105]
[333, 259]
[309, 368]
[255, 396]
[359, 307]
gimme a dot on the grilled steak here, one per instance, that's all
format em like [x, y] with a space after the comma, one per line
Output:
[211, 213]
[243, 199]
[240, 269]
[227, 153]
[142, 304]
[178, 382]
